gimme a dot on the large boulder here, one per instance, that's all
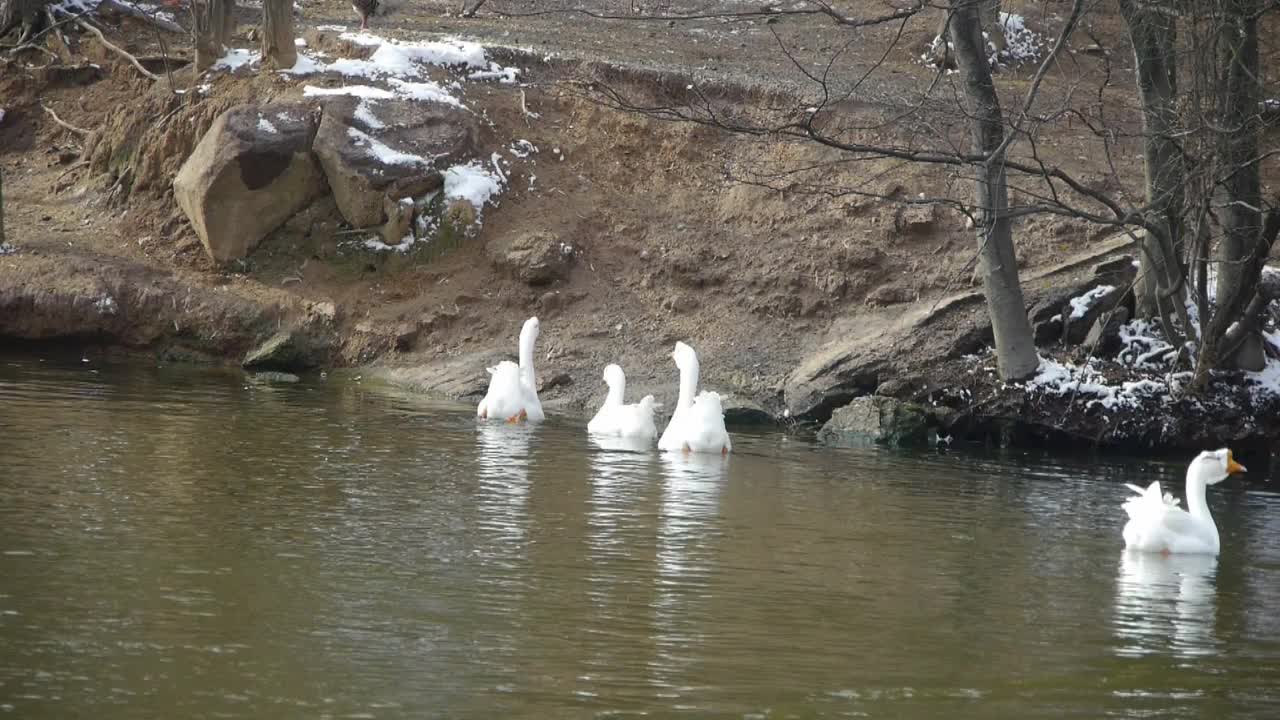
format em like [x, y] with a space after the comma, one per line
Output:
[250, 172]
[374, 151]
[879, 420]
[536, 257]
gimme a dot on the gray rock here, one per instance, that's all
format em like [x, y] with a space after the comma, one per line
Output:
[250, 172]
[306, 344]
[362, 177]
[1251, 355]
[537, 257]
[1076, 328]
[742, 410]
[268, 376]
[915, 219]
[1104, 336]
[879, 420]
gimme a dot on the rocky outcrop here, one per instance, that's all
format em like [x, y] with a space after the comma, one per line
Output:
[375, 152]
[881, 343]
[92, 301]
[536, 257]
[874, 419]
[250, 173]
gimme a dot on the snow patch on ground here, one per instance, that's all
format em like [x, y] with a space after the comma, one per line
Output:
[473, 183]
[1021, 43]
[236, 59]
[1066, 379]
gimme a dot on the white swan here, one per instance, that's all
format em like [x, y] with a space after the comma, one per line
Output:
[697, 425]
[513, 389]
[619, 419]
[1157, 524]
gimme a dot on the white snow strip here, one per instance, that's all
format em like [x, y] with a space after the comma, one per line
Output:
[424, 91]
[364, 113]
[360, 91]
[384, 153]
[1080, 305]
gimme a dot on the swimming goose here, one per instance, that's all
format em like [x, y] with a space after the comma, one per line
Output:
[1158, 524]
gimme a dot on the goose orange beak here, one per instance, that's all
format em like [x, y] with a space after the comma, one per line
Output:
[1233, 467]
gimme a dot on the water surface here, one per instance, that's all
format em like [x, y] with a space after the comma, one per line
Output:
[184, 543]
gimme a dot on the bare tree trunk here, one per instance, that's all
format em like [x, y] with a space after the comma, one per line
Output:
[2, 237]
[214, 23]
[24, 14]
[1015, 351]
[278, 49]
[990, 11]
[1243, 247]
[1160, 289]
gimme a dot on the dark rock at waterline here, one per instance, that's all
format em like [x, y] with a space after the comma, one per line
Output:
[879, 420]
[742, 410]
[306, 344]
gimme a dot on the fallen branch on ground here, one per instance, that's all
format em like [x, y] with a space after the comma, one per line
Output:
[79, 131]
[121, 51]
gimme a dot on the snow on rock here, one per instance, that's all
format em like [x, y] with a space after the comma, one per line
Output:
[471, 182]
[364, 113]
[1080, 305]
[265, 126]
[383, 152]
[424, 91]
[360, 91]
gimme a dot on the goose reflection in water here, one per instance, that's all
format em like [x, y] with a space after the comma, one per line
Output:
[687, 521]
[503, 477]
[1166, 603]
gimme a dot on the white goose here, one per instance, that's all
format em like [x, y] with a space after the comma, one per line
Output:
[1157, 524]
[697, 425]
[619, 419]
[513, 389]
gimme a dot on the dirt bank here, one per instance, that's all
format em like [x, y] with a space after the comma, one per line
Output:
[664, 246]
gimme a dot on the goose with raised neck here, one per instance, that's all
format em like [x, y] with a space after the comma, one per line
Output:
[697, 424]
[1157, 523]
[513, 388]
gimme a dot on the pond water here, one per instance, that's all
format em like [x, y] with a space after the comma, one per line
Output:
[178, 542]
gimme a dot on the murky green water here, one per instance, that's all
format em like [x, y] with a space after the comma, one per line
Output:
[179, 543]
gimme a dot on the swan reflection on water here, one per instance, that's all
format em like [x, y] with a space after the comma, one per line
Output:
[503, 477]
[1166, 603]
